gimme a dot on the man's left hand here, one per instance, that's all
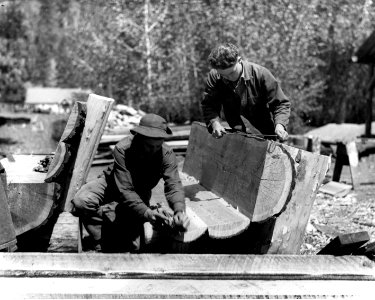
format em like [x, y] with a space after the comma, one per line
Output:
[281, 133]
[181, 221]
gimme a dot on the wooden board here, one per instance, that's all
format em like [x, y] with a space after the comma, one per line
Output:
[93, 275]
[98, 109]
[94, 288]
[271, 183]
[198, 266]
[345, 244]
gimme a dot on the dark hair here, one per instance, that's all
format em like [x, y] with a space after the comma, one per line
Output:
[223, 56]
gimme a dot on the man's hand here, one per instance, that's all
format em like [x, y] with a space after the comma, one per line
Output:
[281, 132]
[158, 217]
[217, 130]
[181, 221]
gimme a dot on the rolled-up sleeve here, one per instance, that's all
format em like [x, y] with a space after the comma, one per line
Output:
[173, 189]
[211, 104]
[124, 184]
[279, 104]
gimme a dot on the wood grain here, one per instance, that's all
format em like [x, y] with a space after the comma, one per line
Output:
[98, 109]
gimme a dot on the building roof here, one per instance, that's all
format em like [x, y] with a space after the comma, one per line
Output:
[44, 95]
[366, 52]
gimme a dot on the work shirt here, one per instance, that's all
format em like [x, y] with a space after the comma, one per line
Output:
[132, 176]
[257, 96]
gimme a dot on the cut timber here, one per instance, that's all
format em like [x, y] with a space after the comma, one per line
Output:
[184, 276]
[345, 244]
[253, 174]
[195, 230]
[270, 183]
[7, 231]
[336, 189]
[196, 227]
[98, 109]
[221, 219]
[59, 163]
[31, 200]
[68, 145]
[65, 235]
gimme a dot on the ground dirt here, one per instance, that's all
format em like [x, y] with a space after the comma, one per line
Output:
[329, 217]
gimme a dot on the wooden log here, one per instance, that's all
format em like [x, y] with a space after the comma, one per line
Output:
[267, 181]
[65, 235]
[345, 244]
[31, 200]
[258, 179]
[98, 109]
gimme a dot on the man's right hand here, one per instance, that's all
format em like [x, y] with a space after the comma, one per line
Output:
[217, 130]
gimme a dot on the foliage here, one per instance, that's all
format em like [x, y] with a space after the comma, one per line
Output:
[152, 54]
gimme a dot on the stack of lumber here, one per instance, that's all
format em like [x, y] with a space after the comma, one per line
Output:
[122, 118]
[178, 142]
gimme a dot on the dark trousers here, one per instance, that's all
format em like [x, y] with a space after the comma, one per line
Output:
[110, 224]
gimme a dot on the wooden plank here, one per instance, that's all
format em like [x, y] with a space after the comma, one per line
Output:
[345, 244]
[91, 288]
[65, 235]
[178, 266]
[267, 181]
[98, 109]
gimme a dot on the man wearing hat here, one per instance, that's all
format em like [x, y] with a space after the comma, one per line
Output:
[114, 206]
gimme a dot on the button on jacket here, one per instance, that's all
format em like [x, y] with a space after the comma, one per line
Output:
[257, 96]
[132, 177]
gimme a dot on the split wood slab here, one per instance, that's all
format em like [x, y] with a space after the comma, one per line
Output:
[207, 212]
[265, 180]
[31, 200]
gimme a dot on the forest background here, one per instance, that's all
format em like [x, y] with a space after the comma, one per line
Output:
[153, 54]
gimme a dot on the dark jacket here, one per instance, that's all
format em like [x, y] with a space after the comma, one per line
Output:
[258, 97]
[132, 177]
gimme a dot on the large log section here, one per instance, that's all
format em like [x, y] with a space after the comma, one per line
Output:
[274, 185]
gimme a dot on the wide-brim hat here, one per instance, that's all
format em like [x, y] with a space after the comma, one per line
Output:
[153, 126]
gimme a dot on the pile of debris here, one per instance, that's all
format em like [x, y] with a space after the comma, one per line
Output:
[122, 118]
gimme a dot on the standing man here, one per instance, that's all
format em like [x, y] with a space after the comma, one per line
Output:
[114, 206]
[250, 96]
